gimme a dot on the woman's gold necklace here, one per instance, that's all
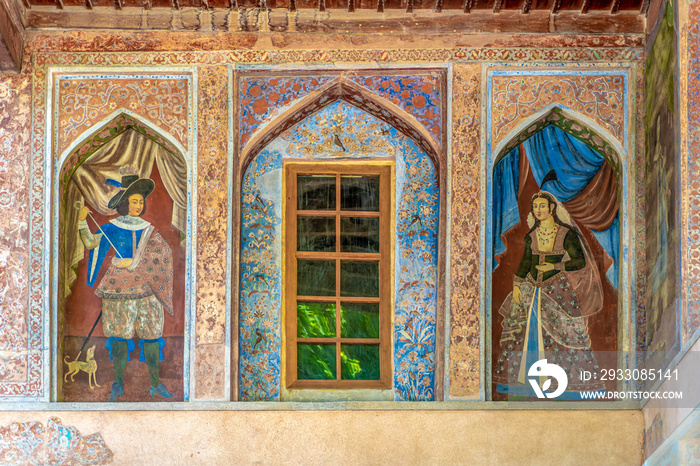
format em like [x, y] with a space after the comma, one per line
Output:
[547, 235]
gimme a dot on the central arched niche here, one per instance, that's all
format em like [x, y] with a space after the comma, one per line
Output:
[363, 136]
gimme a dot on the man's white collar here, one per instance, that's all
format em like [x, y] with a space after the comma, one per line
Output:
[130, 223]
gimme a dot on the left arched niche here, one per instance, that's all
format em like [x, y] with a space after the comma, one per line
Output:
[140, 309]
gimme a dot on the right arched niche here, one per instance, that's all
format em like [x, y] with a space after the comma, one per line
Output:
[566, 312]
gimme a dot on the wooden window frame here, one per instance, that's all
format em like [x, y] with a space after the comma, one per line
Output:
[384, 170]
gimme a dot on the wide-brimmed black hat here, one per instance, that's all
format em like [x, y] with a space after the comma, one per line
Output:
[131, 184]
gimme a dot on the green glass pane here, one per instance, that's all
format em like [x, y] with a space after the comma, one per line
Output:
[315, 278]
[315, 320]
[359, 234]
[359, 193]
[359, 278]
[316, 234]
[359, 362]
[315, 362]
[359, 320]
[315, 192]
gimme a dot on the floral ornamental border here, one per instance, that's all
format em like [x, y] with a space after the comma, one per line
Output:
[519, 55]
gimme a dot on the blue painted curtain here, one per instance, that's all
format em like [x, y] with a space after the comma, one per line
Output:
[576, 165]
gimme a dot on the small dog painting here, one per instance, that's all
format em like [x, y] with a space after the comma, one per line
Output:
[89, 366]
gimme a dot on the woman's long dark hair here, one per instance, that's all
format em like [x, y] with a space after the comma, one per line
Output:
[123, 207]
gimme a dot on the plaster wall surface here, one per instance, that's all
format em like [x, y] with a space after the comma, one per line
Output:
[361, 437]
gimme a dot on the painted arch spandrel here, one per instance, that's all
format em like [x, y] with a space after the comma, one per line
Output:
[555, 263]
[122, 262]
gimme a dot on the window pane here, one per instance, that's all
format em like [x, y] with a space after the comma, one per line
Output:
[315, 320]
[359, 193]
[359, 234]
[359, 362]
[316, 362]
[315, 192]
[315, 278]
[360, 278]
[316, 234]
[359, 320]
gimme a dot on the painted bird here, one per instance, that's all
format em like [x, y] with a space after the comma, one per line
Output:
[415, 219]
[260, 277]
[338, 142]
[259, 199]
[408, 326]
[259, 337]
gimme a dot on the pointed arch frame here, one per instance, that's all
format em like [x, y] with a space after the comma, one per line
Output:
[600, 139]
[343, 89]
[354, 94]
[124, 120]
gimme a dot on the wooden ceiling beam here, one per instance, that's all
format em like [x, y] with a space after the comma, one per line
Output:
[556, 6]
[118, 4]
[615, 7]
[147, 4]
[11, 38]
[351, 6]
[59, 4]
[497, 6]
[176, 5]
[527, 4]
[338, 21]
[380, 6]
[585, 7]
[438, 6]
[26, 4]
[409, 6]
[88, 4]
[468, 6]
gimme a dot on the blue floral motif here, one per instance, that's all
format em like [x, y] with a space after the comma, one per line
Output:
[359, 135]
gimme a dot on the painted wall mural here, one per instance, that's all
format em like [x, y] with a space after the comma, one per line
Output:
[33, 443]
[20, 328]
[154, 53]
[556, 256]
[662, 333]
[415, 285]
[122, 228]
[690, 172]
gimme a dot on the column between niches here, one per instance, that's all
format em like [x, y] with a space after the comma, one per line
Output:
[464, 364]
[210, 362]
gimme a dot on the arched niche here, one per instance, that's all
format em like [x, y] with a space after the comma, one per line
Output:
[260, 277]
[601, 327]
[100, 154]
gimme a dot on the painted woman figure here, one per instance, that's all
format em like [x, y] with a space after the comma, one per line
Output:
[555, 288]
[137, 285]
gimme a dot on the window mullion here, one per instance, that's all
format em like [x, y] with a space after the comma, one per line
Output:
[337, 275]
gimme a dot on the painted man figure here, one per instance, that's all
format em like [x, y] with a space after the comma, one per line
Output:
[137, 285]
